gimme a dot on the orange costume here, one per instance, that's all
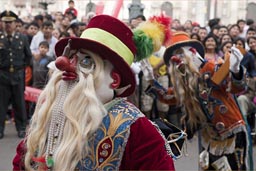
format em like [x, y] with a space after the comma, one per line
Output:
[223, 129]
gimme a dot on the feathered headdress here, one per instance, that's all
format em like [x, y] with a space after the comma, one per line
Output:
[149, 36]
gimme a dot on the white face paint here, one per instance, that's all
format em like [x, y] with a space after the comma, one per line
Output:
[195, 57]
[104, 90]
[87, 62]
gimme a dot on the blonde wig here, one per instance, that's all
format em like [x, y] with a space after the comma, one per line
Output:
[83, 114]
[185, 81]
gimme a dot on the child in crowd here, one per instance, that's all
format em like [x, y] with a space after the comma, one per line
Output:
[40, 69]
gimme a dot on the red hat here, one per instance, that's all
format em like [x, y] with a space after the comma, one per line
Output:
[113, 41]
[195, 24]
[180, 39]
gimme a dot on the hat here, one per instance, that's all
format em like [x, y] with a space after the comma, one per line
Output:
[70, 11]
[113, 41]
[8, 16]
[181, 39]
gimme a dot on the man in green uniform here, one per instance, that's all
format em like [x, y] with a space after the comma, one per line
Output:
[15, 54]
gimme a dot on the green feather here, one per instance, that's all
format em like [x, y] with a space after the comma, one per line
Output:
[144, 45]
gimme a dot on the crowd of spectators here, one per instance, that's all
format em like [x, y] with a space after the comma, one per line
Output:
[44, 30]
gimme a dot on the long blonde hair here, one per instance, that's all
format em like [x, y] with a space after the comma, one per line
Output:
[84, 113]
[186, 84]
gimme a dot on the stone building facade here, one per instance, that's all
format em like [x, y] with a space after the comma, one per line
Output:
[196, 10]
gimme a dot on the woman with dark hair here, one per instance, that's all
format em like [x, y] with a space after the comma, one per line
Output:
[246, 99]
[195, 36]
[251, 41]
[234, 31]
[226, 47]
[211, 49]
[224, 38]
[248, 60]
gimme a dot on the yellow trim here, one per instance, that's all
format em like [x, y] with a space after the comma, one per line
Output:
[110, 41]
[8, 19]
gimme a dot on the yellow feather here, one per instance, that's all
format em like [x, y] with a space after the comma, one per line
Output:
[155, 31]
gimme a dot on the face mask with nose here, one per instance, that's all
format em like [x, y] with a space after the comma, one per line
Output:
[195, 56]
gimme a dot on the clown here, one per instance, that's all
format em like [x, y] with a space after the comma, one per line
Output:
[82, 121]
[205, 91]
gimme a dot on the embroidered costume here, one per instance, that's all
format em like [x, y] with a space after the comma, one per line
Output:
[82, 120]
[209, 105]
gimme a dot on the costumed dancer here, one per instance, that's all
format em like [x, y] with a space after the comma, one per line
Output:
[205, 91]
[82, 120]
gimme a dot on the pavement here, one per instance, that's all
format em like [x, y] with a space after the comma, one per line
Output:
[188, 162]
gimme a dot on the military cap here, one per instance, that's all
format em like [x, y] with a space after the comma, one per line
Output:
[8, 16]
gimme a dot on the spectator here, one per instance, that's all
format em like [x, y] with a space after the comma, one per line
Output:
[64, 35]
[58, 17]
[251, 41]
[248, 60]
[222, 30]
[39, 19]
[211, 50]
[64, 24]
[176, 24]
[188, 25]
[74, 30]
[15, 55]
[234, 31]
[134, 22]
[47, 29]
[82, 27]
[245, 100]
[195, 36]
[40, 69]
[48, 17]
[202, 32]
[71, 16]
[195, 29]
[32, 29]
[226, 47]
[213, 22]
[224, 38]
[215, 31]
[242, 27]
[250, 32]
[71, 9]
[20, 26]
[56, 33]
[250, 22]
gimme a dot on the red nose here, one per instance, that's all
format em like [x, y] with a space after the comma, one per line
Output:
[68, 66]
[176, 60]
[64, 64]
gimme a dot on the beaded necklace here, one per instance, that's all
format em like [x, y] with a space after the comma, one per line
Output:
[57, 122]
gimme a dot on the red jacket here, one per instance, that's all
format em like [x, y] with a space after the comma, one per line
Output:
[144, 150]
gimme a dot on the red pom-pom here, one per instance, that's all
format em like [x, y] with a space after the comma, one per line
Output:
[166, 22]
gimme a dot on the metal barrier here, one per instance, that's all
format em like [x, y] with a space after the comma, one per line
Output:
[31, 94]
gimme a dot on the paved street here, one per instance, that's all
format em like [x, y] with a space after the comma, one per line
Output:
[10, 141]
